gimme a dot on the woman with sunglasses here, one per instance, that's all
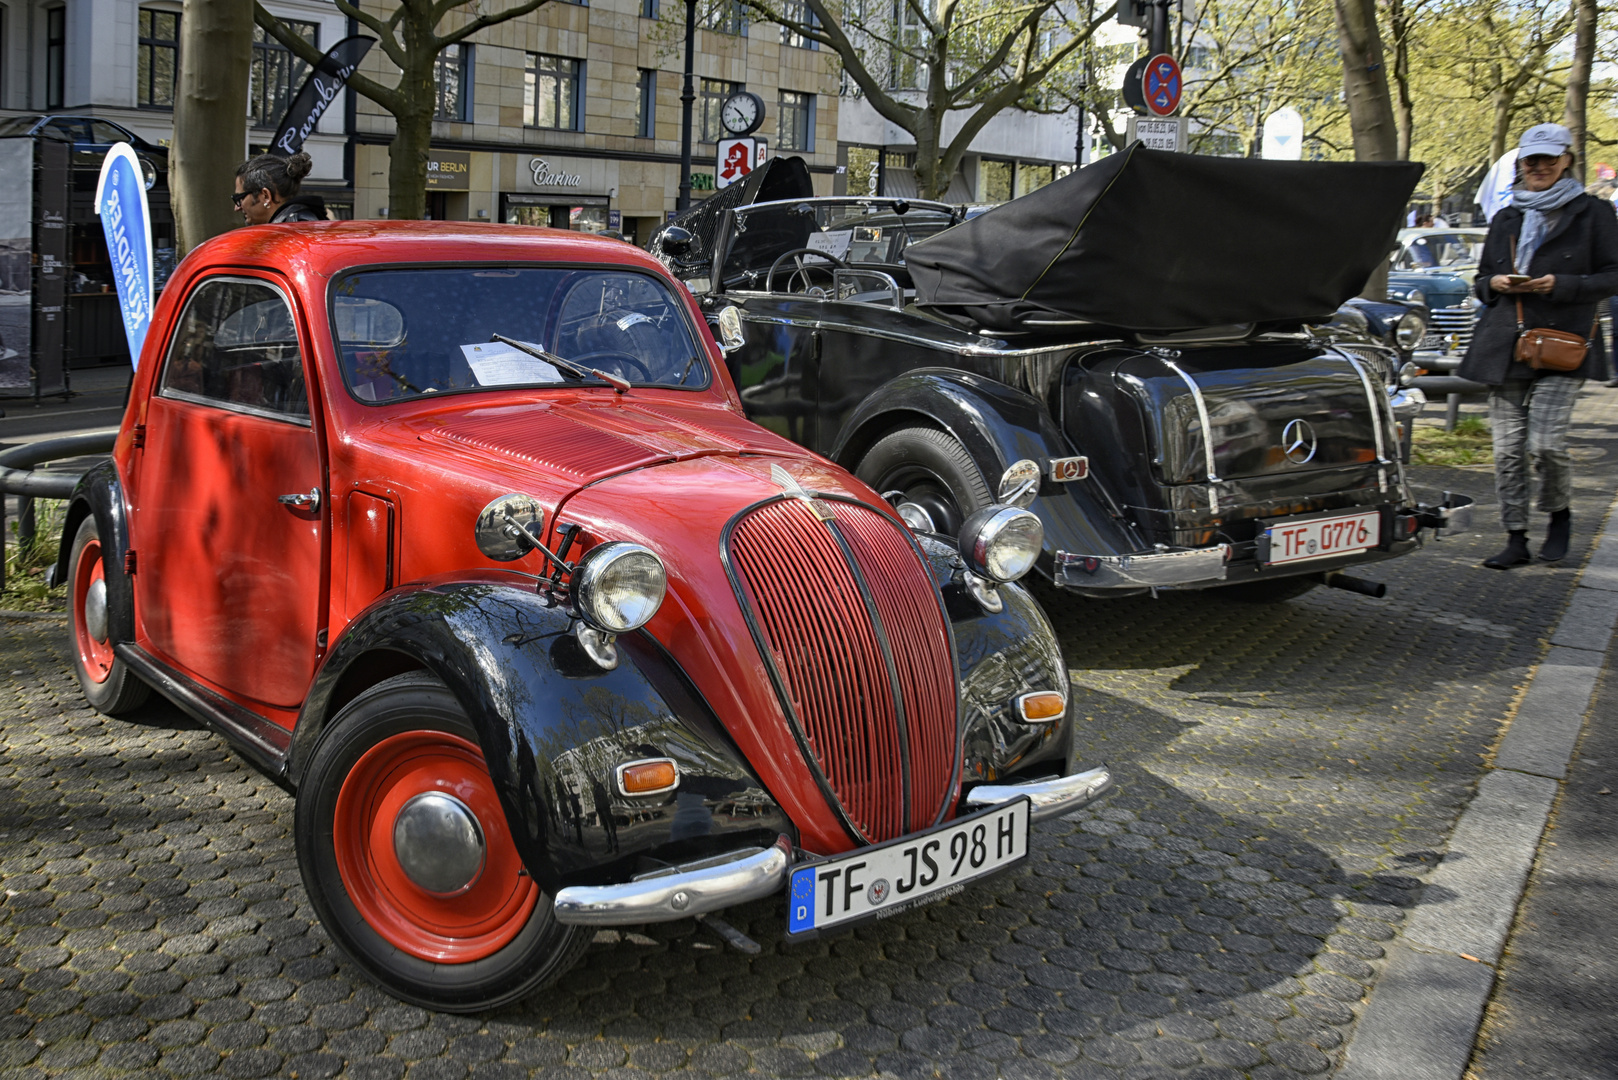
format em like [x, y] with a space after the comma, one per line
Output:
[1554, 252]
[267, 190]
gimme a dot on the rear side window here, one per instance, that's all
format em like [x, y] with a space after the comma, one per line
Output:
[237, 348]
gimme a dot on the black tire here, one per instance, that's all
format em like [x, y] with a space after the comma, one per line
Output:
[932, 469]
[1273, 591]
[108, 684]
[413, 705]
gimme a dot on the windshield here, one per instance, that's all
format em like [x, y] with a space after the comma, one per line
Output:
[868, 232]
[407, 332]
[1441, 250]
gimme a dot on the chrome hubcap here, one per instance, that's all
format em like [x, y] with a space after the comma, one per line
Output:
[95, 610]
[439, 843]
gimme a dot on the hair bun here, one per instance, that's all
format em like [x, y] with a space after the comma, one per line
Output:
[298, 166]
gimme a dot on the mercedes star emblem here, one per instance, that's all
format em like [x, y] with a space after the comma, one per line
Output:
[1298, 442]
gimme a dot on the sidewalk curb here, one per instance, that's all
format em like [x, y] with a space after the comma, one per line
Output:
[1421, 1018]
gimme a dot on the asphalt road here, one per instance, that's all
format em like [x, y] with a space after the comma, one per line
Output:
[1552, 1011]
[1289, 775]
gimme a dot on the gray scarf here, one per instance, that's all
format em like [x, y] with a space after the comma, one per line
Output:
[1534, 205]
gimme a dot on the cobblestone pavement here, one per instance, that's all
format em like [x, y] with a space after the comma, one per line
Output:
[1288, 774]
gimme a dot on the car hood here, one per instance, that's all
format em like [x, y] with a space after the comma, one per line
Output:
[689, 512]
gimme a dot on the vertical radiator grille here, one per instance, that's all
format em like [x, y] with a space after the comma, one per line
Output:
[880, 724]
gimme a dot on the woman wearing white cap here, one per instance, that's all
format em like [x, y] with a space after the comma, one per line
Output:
[1550, 257]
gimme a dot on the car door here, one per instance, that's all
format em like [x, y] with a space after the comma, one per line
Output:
[229, 518]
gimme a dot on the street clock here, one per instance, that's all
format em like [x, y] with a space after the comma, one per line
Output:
[742, 113]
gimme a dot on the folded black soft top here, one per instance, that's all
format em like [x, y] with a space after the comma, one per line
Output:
[1153, 241]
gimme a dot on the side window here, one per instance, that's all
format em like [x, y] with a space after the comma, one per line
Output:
[237, 347]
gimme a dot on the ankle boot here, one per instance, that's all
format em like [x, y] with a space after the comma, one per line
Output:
[1556, 537]
[1515, 554]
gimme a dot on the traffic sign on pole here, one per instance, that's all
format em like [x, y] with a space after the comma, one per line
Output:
[1160, 85]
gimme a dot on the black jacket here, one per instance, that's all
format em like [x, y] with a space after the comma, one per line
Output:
[300, 208]
[1582, 251]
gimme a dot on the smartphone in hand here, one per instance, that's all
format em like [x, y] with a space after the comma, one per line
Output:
[1519, 279]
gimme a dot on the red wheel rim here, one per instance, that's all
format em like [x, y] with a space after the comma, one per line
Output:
[95, 657]
[470, 925]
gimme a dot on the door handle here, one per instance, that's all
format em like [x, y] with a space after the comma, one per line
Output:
[307, 501]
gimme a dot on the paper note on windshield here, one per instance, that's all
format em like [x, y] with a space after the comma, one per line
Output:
[834, 243]
[495, 363]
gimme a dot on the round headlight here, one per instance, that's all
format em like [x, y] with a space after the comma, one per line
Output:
[1001, 542]
[618, 587]
[1410, 329]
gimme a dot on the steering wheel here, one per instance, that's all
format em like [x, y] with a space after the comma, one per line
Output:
[797, 255]
[619, 360]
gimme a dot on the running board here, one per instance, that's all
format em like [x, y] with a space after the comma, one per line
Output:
[267, 745]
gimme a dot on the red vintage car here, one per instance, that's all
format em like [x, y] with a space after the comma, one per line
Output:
[460, 531]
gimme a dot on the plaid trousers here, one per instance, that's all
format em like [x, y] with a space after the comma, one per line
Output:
[1530, 421]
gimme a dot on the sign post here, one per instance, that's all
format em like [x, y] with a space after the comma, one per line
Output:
[1161, 85]
[1283, 135]
[736, 159]
[1157, 133]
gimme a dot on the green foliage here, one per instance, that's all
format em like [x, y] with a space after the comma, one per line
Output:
[26, 564]
[1468, 444]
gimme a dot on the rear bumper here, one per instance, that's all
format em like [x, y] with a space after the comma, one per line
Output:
[1146, 570]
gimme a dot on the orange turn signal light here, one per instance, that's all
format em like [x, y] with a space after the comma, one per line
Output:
[1042, 705]
[649, 777]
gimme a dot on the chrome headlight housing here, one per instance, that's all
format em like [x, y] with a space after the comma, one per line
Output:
[1409, 330]
[1001, 543]
[619, 586]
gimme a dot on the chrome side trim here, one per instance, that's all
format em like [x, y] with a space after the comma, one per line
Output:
[1207, 429]
[909, 339]
[1148, 570]
[1377, 401]
[1047, 798]
[690, 889]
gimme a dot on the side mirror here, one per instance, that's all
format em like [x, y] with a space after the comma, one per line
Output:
[730, 330]
[677, 241]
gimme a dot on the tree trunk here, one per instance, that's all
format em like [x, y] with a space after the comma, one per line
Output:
[1404, 110]
[407, 165]
[1365, 82]
[1370, 110]
[1578, 80]
[210, 117]
[929, 184]
[1501, 100]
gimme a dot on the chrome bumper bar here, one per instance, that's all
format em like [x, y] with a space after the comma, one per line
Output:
[1049, 798]
[1406, 403]
[690, 889]
[1148, 570]
[1450, 517]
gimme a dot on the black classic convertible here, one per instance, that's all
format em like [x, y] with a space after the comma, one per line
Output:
[1126, 352]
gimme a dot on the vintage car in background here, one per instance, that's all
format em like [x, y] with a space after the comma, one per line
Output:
[461, 532]
[1126, 352]
[1386, 335]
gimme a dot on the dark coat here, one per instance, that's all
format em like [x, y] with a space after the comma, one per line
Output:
[300, 208]
[1582, 251]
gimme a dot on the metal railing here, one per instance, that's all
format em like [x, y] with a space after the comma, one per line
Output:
[18, 478]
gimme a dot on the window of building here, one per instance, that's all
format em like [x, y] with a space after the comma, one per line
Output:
[276, 73]
[995, 180]
[1031, 176]
[724, 16]
[797, 121]
[646, 105]
[863, 174]
[709, 99]
[452, 77]
[55, 56]
[799, 12]
[648, 9]
[905, 69]
[158, 64]
[551, 92]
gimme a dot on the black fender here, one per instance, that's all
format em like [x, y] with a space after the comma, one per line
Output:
[998, 425]
[1001, 655]
[99, 492]
[553, 726]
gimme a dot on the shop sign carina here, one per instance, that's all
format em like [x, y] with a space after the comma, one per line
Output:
[545, 176]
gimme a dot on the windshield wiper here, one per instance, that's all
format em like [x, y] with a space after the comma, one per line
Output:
[577, 370]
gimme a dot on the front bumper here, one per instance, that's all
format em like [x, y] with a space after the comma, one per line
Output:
[737, 877]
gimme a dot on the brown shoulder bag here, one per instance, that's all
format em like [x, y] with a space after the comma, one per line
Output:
[1550, 350]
